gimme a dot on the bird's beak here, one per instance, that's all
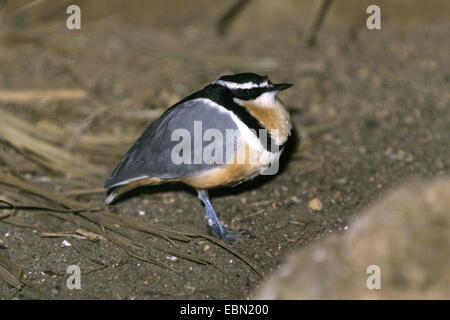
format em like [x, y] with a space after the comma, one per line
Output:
[282, 86]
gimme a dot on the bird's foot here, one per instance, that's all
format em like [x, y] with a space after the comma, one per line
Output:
[228, 235]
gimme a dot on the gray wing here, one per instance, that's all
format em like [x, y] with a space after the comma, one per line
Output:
[152, 156]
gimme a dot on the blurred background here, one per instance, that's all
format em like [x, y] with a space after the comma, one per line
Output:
[370, 108]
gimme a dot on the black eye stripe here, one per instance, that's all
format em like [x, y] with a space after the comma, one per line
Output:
[252, 93]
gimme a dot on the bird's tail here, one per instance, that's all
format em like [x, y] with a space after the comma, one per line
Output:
[113, 195]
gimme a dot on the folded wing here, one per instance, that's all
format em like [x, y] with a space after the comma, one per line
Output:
[151, 155]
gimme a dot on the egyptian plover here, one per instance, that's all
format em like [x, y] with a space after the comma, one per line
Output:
[230, 131]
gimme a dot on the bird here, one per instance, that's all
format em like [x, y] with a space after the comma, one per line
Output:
[229, 132]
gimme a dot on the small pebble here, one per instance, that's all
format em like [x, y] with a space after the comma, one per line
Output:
[65, 243]
[399, 155]
[315, 204]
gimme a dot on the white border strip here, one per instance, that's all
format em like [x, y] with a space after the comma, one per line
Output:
[247, 85]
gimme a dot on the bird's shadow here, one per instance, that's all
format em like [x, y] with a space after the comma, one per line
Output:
[289, 149]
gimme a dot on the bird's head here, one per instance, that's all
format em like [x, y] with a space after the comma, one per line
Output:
[251, 87]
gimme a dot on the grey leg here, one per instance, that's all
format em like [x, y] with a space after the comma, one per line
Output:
[214, 224]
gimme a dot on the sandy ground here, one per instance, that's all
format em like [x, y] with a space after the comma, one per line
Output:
[370, 109]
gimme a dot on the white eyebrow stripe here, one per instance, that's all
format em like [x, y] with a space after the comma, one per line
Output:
[247, 85]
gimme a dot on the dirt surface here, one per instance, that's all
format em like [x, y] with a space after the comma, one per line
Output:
[370, 109]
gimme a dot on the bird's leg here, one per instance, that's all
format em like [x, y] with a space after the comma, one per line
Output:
[211, 216]
[213, 221]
